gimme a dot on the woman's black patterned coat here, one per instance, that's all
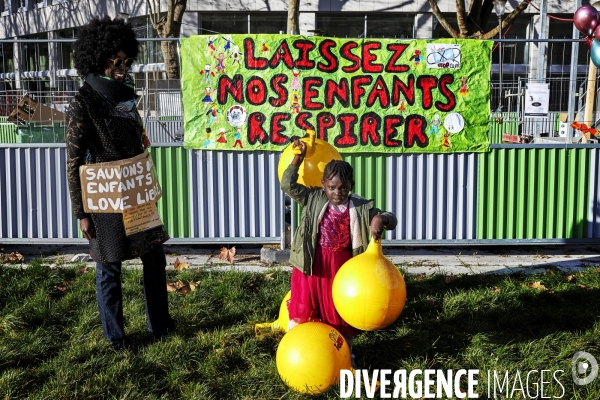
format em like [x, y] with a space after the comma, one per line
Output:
[99, 131]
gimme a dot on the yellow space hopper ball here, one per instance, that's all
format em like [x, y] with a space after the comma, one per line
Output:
[318, 154]
[281, 323]
[310, 357]
[368, 291]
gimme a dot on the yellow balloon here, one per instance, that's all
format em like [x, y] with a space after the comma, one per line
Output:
[368, 291]
[281, 324]
[310, 356]
[318, 154]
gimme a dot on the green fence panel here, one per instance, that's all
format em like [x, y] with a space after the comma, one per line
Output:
[174, 206]
[41, 133]
[370, 179]
[533, 193]
[7, 132]
[370, 176]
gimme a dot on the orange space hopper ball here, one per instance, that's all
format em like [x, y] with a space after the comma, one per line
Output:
[310, 357]
[368, 291]
[318, 154]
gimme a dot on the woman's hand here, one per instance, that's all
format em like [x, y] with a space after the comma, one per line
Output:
[377, 224]
[87, 227]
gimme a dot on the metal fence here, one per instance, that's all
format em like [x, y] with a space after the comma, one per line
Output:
[526, 192]
[160, 104]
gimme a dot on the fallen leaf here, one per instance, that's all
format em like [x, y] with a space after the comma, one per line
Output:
[11, 258]
[194, 285]
[598, 271]
[496, 289]
[583, 286]
[537, 285]
[171, 287]
[63, 286]
[227, 254]
[269, 277]
[178, 266]
[570, 278]
[179, 284]
[83, 270]
[184, 290]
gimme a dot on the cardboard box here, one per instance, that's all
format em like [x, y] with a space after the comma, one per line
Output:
[127, 186]
[28, 111]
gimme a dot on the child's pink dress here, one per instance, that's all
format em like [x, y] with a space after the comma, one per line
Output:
[311, 295]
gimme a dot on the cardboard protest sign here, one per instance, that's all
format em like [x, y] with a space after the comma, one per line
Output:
[127, 186]
[255, 92]
[141, 218]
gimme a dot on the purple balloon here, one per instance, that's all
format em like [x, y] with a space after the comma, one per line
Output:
[597, 33]
[586, 19]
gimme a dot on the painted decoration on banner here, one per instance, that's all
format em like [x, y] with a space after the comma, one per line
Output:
[443, 55]
[255, 92]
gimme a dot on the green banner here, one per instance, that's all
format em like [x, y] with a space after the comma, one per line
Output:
[255, 92]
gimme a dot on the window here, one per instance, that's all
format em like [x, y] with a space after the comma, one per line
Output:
[35, 55]
[342, 25]
[65, 49]
[560, 53]
[6, 58]
[390, 25]
[512, 53]
[211, 23]
[272, 22]
[148, 52]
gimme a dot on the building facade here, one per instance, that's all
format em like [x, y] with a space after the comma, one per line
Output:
[47, 65]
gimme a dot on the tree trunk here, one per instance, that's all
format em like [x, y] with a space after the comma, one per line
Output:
[470, 25]
[293, 16]
[169, 51]
[168, 27]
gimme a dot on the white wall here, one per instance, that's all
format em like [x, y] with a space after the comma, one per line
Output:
[75, 13]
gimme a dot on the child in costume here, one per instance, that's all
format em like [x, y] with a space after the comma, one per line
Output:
[335, 226]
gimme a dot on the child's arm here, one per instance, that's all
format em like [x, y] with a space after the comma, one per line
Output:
[380, 221]
[289, 180]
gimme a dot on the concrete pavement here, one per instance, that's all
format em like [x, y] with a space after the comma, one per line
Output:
[447, 260]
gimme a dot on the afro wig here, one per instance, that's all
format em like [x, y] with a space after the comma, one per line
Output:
[100, 40]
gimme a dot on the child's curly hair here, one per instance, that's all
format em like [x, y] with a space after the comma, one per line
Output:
[339, 168]
[99, 40]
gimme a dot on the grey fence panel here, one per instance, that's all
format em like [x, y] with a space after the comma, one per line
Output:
[433, 196]
[236, 195]
[594, 203]
[163, 131]
[34, 195]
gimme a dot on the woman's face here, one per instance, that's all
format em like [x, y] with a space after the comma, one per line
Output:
[118, 74]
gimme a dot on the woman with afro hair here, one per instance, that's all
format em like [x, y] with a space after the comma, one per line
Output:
[103, 125]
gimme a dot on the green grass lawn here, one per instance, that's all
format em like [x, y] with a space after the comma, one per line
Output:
[52, 346]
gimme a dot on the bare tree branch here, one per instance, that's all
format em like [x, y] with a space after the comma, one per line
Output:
[438, 14]
[475, 13]
[471, 25]
[168, 27]
[461, 18]
[506, 21]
